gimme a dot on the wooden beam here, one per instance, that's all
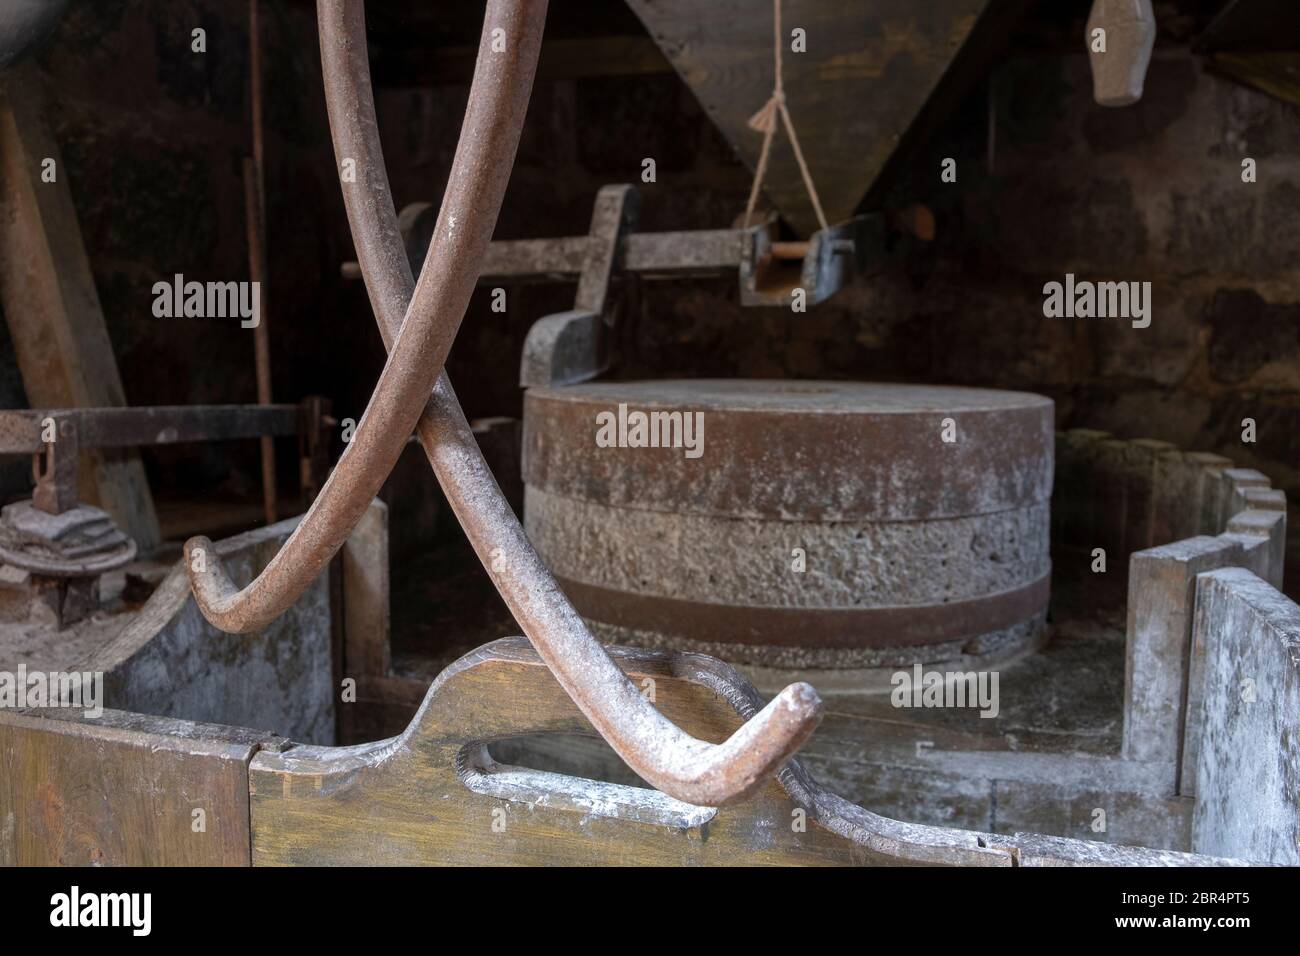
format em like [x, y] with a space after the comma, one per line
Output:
[53, 311]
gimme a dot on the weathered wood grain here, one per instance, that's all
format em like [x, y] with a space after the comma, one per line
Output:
[432, 796]
[366, 618]
[169, 660]
[406, 801]
[1161, 587]
[122, 790]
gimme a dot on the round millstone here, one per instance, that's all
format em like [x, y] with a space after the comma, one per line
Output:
[796, 524]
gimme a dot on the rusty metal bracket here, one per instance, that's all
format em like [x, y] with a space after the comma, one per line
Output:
[659, 751]
[54, 469]
[772, 271]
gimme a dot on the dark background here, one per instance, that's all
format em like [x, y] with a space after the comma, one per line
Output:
[153, 138]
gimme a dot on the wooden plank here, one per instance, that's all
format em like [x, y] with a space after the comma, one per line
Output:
[1142, 466]
[278, 678]
[1111, 507]
[51, 305]
[1272, 73]
[1210, 490]
[122, 790]
[420, 799]
[433, 796]
[866, 75]
[365, 595]
[1074, 496]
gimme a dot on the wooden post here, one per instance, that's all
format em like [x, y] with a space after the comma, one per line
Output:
[53, 311]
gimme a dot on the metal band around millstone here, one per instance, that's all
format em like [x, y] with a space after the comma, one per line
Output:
[830, 627]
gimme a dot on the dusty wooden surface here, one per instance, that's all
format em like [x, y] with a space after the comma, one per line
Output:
[407, 801]
[439, 794]
[365, 594]
[122, 790]
[1161, 584]
[51, 305]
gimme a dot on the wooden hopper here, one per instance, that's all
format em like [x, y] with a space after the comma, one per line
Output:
[869, 69]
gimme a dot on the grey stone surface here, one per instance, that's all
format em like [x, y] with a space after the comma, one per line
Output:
[749, 561]
[1269, 529]
[1161, 592]
[1260, 537]
[1248, 777]
[806, 450]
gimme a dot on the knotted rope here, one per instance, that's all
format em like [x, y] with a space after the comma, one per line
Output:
[764, 121]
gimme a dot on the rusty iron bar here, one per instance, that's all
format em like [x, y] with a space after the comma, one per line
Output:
[656, 749]
[55, 488]
[481, 168]
[255, 219]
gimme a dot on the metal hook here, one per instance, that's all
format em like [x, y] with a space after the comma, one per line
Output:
[678, 764]
[659, 751]
[493, 119]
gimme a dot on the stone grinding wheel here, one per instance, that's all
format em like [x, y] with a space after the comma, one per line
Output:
[915, 549]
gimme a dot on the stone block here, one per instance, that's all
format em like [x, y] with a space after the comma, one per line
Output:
[1248, 775]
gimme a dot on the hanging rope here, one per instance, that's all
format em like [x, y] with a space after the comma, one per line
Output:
[764, 121]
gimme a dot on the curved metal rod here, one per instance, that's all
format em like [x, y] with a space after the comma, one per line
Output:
[660, 752]
[494, 117]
